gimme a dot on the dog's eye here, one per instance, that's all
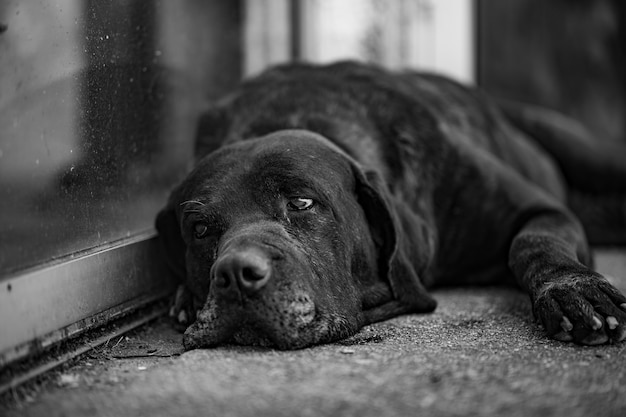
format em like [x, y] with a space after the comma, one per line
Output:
[300, 203]
[200, 230]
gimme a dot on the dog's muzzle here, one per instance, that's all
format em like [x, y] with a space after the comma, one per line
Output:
[258, 296]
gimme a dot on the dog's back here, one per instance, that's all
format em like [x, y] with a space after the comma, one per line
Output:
[377, 117]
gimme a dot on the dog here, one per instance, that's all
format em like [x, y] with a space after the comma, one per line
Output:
[328, 197]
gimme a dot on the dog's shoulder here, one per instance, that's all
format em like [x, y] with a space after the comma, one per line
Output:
[391, 121]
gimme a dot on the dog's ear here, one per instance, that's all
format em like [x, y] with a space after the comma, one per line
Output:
[171, 242]
[387, 220]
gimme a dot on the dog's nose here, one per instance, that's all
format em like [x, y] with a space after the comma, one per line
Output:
[249, 268]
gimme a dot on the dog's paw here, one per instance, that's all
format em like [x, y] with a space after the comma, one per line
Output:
[582, 308]
[182, 310]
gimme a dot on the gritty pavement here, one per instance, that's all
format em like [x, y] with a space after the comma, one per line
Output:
[480, 353]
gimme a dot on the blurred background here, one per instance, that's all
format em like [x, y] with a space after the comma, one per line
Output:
[99, 98]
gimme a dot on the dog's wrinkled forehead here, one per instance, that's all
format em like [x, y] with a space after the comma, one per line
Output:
[294, 158]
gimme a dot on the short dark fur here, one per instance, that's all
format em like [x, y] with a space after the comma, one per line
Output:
[416, 181]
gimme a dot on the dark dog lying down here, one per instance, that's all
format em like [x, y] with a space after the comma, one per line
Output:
[327, 198]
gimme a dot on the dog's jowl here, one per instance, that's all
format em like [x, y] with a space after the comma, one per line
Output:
[325, 198]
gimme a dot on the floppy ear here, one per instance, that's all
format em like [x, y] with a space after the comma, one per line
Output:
[402, 256]
[171, 242]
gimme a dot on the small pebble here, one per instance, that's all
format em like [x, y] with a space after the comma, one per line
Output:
[69, 380]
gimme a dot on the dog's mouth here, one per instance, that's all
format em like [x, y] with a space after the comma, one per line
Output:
[283, 320]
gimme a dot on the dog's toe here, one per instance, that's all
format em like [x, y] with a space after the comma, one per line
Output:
[563, 337]
[595, 338]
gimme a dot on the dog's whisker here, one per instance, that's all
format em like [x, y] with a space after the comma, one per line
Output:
[192, 202]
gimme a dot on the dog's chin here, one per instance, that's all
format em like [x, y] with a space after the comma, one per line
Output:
[258, 336]
[285, 318]
[247, 334]
[322, 329]
[296, 332]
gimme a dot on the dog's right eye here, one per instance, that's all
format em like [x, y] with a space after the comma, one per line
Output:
[200, 230]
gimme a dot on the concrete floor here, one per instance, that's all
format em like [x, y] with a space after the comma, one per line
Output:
[480, 353]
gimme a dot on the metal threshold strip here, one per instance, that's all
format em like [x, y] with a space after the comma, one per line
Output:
[45, 306]
[83, 345]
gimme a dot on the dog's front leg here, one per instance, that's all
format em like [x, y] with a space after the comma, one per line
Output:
[548, 257]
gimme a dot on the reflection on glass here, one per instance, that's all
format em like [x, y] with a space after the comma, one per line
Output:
[98, 106]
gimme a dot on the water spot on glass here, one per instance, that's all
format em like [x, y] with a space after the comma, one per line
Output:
[72, 168]
[36, 161]
[157, 53]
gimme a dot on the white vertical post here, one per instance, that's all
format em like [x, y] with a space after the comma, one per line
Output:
[267, 34]
[433, 35]
[454, 38]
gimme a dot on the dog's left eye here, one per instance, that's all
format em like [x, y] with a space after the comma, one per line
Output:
[300, 203]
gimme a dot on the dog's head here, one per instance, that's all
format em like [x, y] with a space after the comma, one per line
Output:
[287, 242]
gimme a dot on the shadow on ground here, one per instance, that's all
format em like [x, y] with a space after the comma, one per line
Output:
[480, 353]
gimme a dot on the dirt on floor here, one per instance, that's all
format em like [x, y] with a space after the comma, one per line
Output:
[479, 353]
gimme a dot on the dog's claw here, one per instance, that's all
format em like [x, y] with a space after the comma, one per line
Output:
[623, 306]
[182, 317]
[612, 322]
[566, 325]
[597, 323]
